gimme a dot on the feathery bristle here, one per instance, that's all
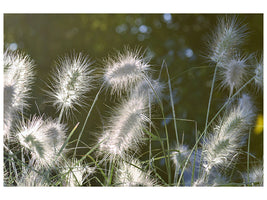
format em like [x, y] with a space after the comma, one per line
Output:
[180, 155]
[70, 83]
[9, 110]
[75, 174]
[123, 72]
[43, 139]
[259, 74]
[215, 178]
[222, 147]
[130, 173]
[32, 178]
[125, 130]
[225, 40]
[18, 73]
[256, 175]
[233, 72]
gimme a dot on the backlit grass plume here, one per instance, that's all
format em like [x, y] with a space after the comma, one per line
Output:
[125, 129]
[18, 79]
[43, 139]
[123, 72]
[70, 83]
[19, 74]
[32, 178]
[255, 176]
[222, 147]
[130, 173]
[180, 155]
[233, 72]
[75, 174]
[230, 34]
[259, 74]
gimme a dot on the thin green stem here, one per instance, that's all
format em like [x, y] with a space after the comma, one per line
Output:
[111, 168]
[211, 93]
[172, 105]
[89, 113]
[166, 130]
[60, 114]
[248, 155]
[208, 110]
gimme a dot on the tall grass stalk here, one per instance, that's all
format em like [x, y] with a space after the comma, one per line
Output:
[172, 105]
[87, 117]
[205, 130]
[209, 104]
[166, 130]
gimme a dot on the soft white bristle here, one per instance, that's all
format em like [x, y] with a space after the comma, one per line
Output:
[130, 173]
[226, 39]
[125, 71]
[125, 130]
[70, 82]
[221, 148]
[43, 139]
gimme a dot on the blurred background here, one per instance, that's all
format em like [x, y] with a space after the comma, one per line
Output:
[179, 40]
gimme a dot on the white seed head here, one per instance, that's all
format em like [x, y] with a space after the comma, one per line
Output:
[180, 155]
[9, 110]
[259, 74]
[130, 173]
[70, 82]
[200, 182]
[126, 128]
[18, 75]
[43, 139]
[32, 178]
[221, 148]
[76, 173]
[214, 178]
[125, 71]
[226, 39]
[256, 175]
[233, 72]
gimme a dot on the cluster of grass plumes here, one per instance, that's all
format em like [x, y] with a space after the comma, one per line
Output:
[38, 149]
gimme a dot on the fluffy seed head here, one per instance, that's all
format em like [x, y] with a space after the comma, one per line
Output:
[75, 174]
[233, 72]
[8, 109]
[214, 179]
[18, 75]
[123, 72]
[70, 82]
[32, 178]
[228, 36]
[130, 173]
[256, 175]
[229, 136]
[180, 155]
[43, 139]
[259, 74]
[125, 130]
